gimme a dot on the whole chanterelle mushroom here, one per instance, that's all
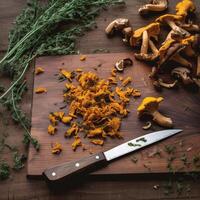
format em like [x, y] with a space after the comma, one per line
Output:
[171, 20]
[144, 35]
[117, 25]
[150, 106]
[154, 5]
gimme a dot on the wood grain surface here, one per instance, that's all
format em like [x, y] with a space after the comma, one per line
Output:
[185, 114]
[18, 187]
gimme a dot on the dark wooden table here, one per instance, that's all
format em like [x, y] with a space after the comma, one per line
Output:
[112, 188]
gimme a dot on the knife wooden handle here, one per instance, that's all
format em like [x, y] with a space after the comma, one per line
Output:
[70, 170]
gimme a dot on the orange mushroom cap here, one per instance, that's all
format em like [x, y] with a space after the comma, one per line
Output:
[185, 6]
[152, 29]
[149, 104]
[170, 17]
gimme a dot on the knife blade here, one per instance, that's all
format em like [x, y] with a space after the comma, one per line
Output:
[85, 165]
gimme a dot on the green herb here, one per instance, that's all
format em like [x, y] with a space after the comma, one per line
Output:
[2, 89]
[179, 187]
[37, 32]
[169, 163]
[134, 145]
[168, 188]
[100, 50]
[184, 159]
[147, 167]
[158, 153]
[18, 160]
[4, 171]
[134, 159]
[170, 149]
[196, 160]
[141, 139]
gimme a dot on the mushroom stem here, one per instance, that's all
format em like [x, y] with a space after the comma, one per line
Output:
[190, 27]
[177, 29]
[145, 42]
[189, 51]
[182, 61]
[162, 120]
[153, 47]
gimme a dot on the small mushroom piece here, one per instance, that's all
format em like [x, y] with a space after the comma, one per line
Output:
[154, 5]
[171, 20]
[116, 25]
[121, 64]
[147, 125]
[150, 106]
[185, 7]
[128, 31]
[183, 74]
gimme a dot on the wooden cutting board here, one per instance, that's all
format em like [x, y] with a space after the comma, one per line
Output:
[181, 105]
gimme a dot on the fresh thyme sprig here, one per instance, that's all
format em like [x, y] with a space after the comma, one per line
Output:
[37, 32]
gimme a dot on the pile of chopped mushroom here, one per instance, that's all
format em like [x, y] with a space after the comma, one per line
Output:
[180, 46]
[95, 106]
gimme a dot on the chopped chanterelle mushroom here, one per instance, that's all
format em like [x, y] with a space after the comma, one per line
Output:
[40, 90]
[144, 35]
[96, 106]
[155, 6]
[66, 74]
[116, 25]
[77, 142]
[39, 70]
[56, 148]
[150, 106]
[52, 129]
[97, 142]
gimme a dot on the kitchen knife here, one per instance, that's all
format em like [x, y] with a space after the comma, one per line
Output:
[85, 165]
